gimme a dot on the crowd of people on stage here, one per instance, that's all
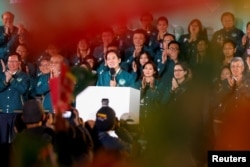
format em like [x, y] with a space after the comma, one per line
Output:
[195, 94]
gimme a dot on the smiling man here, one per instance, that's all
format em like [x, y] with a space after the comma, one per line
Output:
[14, 85]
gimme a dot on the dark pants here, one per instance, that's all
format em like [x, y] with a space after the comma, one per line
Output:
[5, 152]
[7, 124]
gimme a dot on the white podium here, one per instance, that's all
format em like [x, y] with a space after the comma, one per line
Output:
[121, 99]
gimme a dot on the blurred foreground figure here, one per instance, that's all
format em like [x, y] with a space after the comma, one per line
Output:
[33, 146]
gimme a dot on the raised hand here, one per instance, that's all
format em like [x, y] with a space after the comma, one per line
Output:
[175, 84]
[113, 83]
[151, 82]
[164, 56]
[3, 65]
[21, 29]
[8, 76]
[244, 40]
[134, 66]
[231, 81]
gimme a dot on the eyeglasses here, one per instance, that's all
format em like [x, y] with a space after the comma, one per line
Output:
[228, 48]
[44, 65]
[173, 49]
[21, 51]
[236, 66]
[13, 61]
[178, 70]
[54, 62]
[167, 40]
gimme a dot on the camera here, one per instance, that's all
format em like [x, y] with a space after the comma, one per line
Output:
[105, 102]
[69, 115]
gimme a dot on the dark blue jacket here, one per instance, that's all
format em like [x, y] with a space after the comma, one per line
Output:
[235, 35]
[123, 79]
[12, 94]
[99, 54]
[42, 89]
[7, 43]
[129, 58]
[112, 143]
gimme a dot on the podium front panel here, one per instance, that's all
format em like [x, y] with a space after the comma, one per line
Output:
[121, 99]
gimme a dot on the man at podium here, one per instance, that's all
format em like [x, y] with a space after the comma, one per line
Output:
[116, 76]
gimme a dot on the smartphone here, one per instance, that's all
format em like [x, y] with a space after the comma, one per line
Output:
[67, 114]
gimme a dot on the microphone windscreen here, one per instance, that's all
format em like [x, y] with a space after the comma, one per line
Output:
[112, 71]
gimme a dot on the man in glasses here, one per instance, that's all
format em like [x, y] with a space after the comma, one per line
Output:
[14, 85]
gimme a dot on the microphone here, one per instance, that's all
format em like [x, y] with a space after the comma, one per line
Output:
[112, 73]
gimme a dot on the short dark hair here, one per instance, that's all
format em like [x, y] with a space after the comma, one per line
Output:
[107, 29]
[23, 45]
[162, 18]
[227, 14]
[140, 31]
[43, 58]
[15, 54]
[114, 43]
[203, 39]
[83, 39]
[118, 54]
[174, 42]
[9, 13]
[168, 34]
[230, 41]
[146, 14]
